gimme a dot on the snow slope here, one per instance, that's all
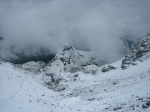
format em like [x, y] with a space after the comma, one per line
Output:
[21, 91]
[116, 90]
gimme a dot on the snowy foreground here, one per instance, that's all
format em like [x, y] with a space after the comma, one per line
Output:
[23, 90]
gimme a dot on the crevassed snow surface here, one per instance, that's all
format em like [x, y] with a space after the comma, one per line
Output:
[117, 90]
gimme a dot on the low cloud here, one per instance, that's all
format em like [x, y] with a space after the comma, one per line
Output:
[97, 25]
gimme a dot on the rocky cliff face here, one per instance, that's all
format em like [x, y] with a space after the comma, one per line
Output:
[140, 53]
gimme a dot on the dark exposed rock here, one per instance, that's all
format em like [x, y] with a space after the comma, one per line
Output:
[76, 75]
[66, 48]
[91, 99]
[140, 98]
[108, 68]
[144, 106]
[114, 83]
[117, 108]
[147, 103]
[54, 84]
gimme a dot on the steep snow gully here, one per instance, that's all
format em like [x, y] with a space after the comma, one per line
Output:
[76, 81]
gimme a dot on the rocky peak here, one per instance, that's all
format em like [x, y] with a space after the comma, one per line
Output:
[68, 58]
[67, 47]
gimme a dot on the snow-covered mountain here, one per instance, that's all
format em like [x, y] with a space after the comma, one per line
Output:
[68, 59]
[72, 81]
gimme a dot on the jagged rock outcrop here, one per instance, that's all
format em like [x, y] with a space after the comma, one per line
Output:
[140, 53]
[54, 83]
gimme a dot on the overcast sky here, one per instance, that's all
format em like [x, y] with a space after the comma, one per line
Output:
[86, 24]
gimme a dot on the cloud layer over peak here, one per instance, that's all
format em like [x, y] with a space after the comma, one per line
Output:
[86, 24]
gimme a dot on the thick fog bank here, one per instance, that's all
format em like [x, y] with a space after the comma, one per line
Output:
[108, 27]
